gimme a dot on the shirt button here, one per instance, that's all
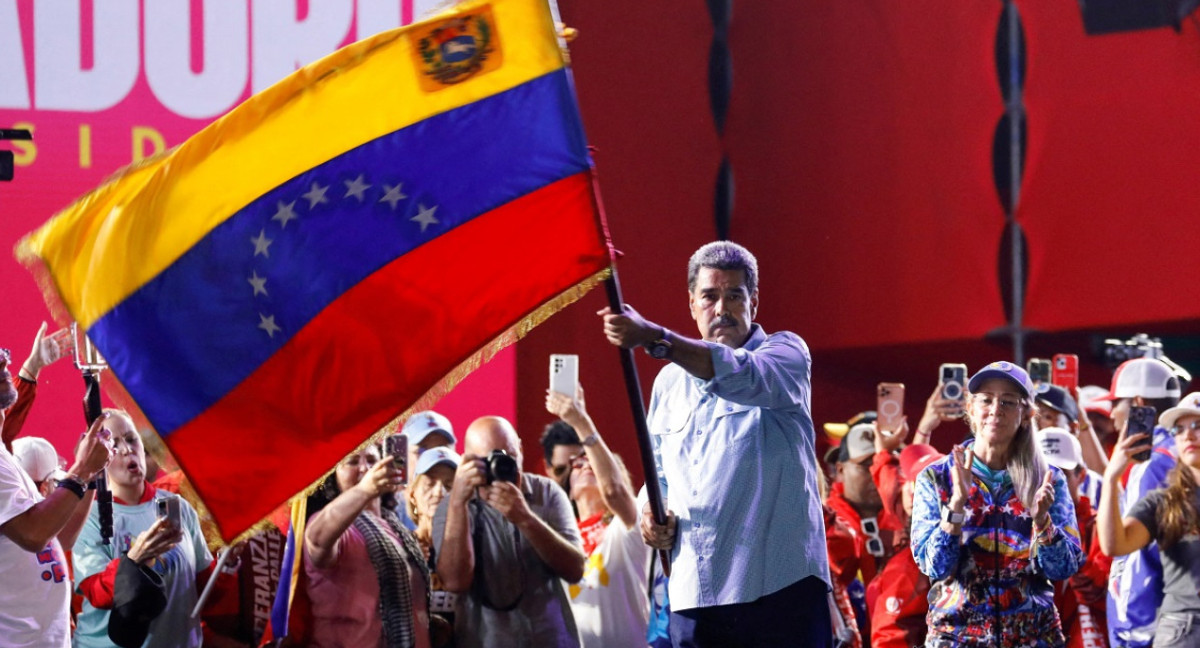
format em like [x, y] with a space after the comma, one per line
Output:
[729, 408]
[695, 492]
[700, 558]
[695, 462]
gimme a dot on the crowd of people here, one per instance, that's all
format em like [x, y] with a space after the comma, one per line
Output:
[1052, 520]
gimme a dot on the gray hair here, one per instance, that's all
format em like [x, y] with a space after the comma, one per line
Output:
[724, 255]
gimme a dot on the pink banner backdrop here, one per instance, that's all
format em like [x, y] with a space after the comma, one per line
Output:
[102, 84]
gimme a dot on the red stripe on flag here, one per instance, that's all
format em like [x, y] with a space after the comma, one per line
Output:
[370, 354]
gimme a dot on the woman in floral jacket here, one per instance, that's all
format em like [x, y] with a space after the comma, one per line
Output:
[992, 525]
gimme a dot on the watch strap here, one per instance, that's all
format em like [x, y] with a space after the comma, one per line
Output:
[73, 485]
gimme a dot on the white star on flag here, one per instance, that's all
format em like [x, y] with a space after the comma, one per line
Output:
[357, 188]
[394, 195]
[285, 213]
[261, 243]
[316, 195]
[425, 216]
[259, 283]
[268, 324]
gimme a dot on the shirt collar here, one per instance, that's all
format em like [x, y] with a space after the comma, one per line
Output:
[756, 339]
[147, 495]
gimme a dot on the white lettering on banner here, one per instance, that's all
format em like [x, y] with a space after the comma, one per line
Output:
[222, 80]
[61, 83]
[14, 91]
[283, 43]
[254, 41]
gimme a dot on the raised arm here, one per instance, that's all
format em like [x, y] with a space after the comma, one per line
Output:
[32, 529]
[1118, 536]
[564, 556]
[456, 554]
[324, 530]
[615, 490]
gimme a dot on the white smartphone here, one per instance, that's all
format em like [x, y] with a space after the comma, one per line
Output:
[168, 507]
[564, 374]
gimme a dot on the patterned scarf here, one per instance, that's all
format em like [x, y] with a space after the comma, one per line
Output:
[395, 591]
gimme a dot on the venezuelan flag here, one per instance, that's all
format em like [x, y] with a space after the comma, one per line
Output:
[340, 247]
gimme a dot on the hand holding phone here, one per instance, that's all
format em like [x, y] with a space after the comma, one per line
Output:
[168, 509]
[397, 446]
[1039, 370]
[564, 374]
[889, 407]
[1141, 421]
[1065, 372]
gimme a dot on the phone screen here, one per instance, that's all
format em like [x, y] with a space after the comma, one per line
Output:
[1141, 420]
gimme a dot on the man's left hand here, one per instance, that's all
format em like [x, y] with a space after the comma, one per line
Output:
[628, 329]
[506, 498]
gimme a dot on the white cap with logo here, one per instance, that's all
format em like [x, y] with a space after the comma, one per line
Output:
[1059, 447]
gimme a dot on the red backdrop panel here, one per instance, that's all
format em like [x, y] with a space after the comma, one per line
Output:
[1110, 193]
[860, 137]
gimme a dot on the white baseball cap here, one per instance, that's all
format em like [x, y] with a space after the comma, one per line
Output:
[1093, 399]
[38, 457]
[859, 442]
[1145, 377]
[422, 424]
[435, 457]
[1059, 447]
[1188, 406]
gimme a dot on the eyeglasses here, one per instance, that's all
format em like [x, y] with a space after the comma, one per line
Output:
[1006, 404]
[1180, 430]
[870, 528]
[578, 461]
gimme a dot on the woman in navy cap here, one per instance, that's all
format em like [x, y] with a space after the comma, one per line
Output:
[992, 525]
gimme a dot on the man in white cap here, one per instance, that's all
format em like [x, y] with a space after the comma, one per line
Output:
[857, 503]
[1081, 599]
[1135, 588]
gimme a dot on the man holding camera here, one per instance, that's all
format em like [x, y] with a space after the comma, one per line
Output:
[733, 438]
[505, 540]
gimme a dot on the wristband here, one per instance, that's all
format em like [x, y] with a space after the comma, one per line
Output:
[72, 484]
[951, 517]
[26, 375]
[592, 440]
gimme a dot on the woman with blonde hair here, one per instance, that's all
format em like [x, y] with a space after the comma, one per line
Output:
[992, 525]
[1169, 516]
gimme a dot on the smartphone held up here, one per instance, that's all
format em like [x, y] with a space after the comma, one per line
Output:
[889, 407]
[1141, 421]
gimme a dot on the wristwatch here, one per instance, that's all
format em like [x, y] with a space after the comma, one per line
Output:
[591, 440]
[660, 349]
[953, 518]
[72, 484]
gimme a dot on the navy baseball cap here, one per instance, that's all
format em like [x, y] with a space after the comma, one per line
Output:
[1059, 400]
[1006, 370]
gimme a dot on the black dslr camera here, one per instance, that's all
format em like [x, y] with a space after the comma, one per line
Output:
[1138, 346]
[501, 467]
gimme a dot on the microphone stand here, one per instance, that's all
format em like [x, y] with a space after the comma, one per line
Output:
[91, 411]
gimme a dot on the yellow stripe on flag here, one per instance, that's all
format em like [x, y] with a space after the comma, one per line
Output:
[155, 212]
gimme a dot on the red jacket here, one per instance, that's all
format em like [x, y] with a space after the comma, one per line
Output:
[867, 565]
[901, 600]
[843, 568]
[1082, 599]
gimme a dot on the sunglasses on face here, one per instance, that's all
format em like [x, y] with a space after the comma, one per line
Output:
[870, 528]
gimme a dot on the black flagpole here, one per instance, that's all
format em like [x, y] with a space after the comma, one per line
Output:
[633, 388]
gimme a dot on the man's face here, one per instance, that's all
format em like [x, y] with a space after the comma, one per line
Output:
[559, 468]
[1047, 417]
[722, 306]
[8, 390]
[856, 480]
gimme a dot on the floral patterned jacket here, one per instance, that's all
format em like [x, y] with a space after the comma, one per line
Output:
[991, 584]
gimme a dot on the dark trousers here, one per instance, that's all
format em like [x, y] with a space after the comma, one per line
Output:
[797, 615]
